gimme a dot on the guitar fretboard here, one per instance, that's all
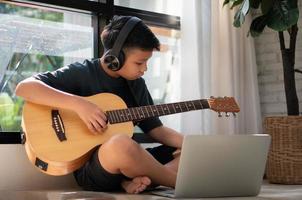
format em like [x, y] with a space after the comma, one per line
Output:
[144, 112]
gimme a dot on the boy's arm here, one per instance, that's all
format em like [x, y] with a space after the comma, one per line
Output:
[167, 136]
[38, 92]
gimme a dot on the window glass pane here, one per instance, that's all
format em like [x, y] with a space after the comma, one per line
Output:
[169, 7]
[35, 39]
[163, 75]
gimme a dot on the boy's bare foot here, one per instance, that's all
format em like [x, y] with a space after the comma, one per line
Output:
[136, 185]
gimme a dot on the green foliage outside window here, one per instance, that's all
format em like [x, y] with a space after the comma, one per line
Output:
[10, 105]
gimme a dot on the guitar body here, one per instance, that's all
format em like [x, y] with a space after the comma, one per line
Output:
[56, 157]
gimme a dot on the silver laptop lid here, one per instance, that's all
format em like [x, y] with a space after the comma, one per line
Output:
[222, 165]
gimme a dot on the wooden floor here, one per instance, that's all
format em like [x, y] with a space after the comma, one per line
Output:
[268, 192]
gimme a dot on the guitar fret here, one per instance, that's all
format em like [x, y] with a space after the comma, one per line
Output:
[186, 105]
[110, 117]
[122, 115]
[162, 109]
[181, 107]
[191, 107]
[200, 104]
[178, 107]
[147, 113]
[167, 108]
[151, 111]
[125, 114]
[156, 109]
[194, 105]
[138, 113]
[113, 114]
[128, 113]
[116, 116]
[133, 116]
[140, 116]
[119, 115]
[134, 113]
[173, 106]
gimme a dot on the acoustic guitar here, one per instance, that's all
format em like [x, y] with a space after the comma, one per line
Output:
[58, 142]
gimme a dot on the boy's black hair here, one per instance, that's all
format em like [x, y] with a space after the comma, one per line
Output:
[140, 37]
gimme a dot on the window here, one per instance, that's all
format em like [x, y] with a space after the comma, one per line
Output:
[38, 36]
[170, 7]
[36, 39]
[163, 76]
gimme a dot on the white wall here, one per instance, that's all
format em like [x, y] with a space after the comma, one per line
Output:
[270, 74]
[17, 173]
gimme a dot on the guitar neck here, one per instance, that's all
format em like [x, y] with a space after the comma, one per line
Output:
[144, 112]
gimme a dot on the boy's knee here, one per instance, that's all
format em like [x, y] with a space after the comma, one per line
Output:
[121, 145]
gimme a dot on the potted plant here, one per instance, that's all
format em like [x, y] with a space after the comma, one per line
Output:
[285, 157]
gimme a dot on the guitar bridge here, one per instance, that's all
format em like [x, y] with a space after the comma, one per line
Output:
[58, 125]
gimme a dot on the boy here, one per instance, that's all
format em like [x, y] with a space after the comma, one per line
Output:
[120, 162]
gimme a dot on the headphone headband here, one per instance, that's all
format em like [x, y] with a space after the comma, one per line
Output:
[123, 34]
[115, 57]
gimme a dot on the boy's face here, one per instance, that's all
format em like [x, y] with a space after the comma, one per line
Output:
[135, 64]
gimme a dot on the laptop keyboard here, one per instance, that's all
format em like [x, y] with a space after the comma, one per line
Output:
[166, 192]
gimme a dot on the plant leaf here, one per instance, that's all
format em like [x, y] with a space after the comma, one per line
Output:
[282, 15]
[236, 3]
[258, 25]
[225, 2]
[238, 19]
[241, 13]
[245, 7]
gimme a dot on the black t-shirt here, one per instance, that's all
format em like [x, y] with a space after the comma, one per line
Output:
[89, 78]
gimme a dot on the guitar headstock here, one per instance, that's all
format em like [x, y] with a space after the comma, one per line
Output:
[224, 104]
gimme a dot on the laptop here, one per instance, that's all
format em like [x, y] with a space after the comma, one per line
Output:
[220, 166]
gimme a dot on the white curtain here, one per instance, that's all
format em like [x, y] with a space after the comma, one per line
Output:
[217, 59]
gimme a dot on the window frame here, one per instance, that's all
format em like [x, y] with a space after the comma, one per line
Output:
[101, 13]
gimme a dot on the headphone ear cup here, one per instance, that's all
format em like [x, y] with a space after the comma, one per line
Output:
[121, 58]
[112, 61]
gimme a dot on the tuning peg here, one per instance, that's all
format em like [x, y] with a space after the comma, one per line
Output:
[227, 114]
[234, 114]
[219, 114]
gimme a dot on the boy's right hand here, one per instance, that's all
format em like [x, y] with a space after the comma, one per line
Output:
[94, 118]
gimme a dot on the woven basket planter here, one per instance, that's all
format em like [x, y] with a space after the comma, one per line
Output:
[284, 163]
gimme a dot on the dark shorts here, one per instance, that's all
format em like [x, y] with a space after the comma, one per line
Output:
[92, 176]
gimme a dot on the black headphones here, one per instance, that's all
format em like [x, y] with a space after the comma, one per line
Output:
[115, 57]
